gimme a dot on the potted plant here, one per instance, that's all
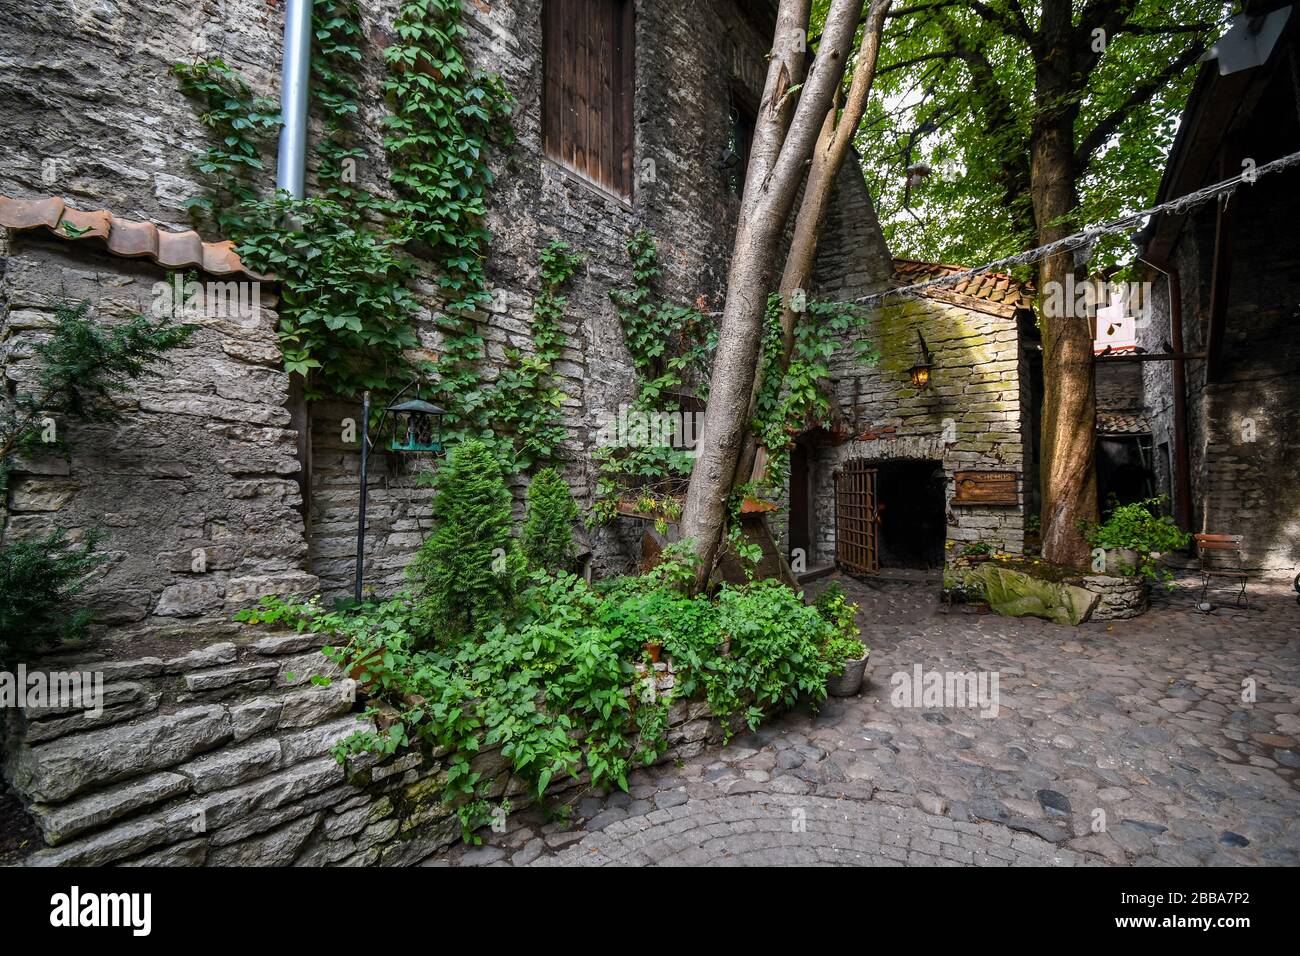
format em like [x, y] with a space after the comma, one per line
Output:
[850, 657]
[1134, 536]
[843, 650]
[977, 552]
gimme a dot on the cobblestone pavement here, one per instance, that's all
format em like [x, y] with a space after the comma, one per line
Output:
[1123, 743]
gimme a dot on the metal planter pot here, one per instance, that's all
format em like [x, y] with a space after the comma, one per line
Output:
[849, 681]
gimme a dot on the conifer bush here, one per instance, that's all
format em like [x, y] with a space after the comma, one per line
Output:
[468, 568]
[548, 530]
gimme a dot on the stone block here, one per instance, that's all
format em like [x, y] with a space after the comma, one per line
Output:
[55, 771]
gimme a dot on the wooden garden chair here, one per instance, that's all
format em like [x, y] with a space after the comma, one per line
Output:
[1221, 558]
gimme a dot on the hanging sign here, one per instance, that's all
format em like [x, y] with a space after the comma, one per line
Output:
[986, 488]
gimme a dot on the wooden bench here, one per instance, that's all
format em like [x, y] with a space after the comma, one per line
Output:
[1221, 557]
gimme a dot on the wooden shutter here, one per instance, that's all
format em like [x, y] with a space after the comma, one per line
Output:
[587, 104]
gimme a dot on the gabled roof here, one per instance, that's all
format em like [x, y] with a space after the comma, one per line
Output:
[988, 292]
[124, 237]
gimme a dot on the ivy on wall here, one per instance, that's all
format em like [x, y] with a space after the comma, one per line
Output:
[526, 401]
[444, 119]
[671, 346]
[346, 259]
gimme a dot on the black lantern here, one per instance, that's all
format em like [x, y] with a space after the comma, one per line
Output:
[920, 372]
[417, 426]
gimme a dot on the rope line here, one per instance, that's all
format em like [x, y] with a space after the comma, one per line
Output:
[1087, 237]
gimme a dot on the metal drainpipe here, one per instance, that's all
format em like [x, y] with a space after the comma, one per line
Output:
[290, 177]
[294, 79]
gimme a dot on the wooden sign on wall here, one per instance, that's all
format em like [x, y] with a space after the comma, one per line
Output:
[986, 488]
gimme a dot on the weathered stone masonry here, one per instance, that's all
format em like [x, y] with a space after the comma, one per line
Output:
[212, 747]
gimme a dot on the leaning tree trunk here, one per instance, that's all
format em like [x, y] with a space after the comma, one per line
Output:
[828, 157]
[1068, 469]
[772, 182]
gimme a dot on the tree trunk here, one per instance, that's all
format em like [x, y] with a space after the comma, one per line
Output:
[1068, 468]
[832, 147]
[769, 197]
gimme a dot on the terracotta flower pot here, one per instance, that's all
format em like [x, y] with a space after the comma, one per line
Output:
[363, 666]
[653, 650]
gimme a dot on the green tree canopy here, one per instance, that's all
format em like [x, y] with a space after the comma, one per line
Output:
[963, 86]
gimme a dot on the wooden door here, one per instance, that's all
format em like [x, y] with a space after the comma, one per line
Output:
[856, 518]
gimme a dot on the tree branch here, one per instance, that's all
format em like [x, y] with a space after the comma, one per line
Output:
[1106, 128]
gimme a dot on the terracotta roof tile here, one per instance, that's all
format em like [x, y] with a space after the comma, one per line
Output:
[994, 287]
[1117, 423]
[124, 237]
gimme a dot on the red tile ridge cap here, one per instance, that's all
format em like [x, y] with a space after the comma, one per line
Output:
[125, 237]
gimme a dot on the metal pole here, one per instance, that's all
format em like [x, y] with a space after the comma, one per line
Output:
[361, 511]
[295, 77]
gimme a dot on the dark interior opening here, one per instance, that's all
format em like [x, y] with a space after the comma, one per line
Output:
[912, 524]
[800, 527]
[1124, 473]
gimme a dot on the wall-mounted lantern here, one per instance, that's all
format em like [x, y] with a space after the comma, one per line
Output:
[920, 372]
[417, 426]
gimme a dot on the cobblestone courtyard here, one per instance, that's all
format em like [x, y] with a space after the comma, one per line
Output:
[1122, 743]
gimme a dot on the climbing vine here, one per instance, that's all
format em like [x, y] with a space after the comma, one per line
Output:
[670, 347]
[444, 119]
[795, 400]
[347, 314]
[526, 401]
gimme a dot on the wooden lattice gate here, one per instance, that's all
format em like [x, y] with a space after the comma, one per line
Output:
[856, 519]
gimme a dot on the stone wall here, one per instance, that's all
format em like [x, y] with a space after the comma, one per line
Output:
[972, 417]
[193, 493]
[220, 756]
[1243, 427]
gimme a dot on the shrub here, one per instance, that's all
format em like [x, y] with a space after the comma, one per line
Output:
[775, 649]
[467, 570]
[547, 538]
[844, 644]
[1139, 527]
[38, 577]
[553, 682]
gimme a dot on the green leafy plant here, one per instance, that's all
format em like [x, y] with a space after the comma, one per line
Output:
[670, 346]
[525, 402]
[1139, 527]
[547, 538]
[554, 681]
[342, 260]
[467, 570]
[843, 644]
[977, 548]
[792, 401]
[444, 119]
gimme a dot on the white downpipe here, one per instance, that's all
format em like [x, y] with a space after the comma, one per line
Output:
[295, 77]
